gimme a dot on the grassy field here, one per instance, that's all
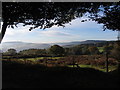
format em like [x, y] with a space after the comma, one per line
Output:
[100, 49]
[17, 75]
[40, 58]
[53, 61]
[101, 68]
[58, 73]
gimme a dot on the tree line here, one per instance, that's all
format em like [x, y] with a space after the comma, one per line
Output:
[85, 49]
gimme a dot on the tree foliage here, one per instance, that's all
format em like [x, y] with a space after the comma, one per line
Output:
[116, 52]
[93, 50]
[47, 14]
[11, 52]
[44, 15]
[57, 50]
[111, 17]
[33, 52]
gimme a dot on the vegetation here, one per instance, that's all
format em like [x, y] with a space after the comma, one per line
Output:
[17, 75]
[40, 68]
[11, 52]
[81, 66]
[57, 55]
[47, 14]
[56, 50]
[93, 50]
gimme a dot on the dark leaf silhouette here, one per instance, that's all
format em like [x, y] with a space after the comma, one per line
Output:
[47, 14]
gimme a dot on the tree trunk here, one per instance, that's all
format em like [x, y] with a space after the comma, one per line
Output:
[107, 70]
[2, 33]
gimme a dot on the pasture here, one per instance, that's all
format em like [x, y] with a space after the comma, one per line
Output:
[84, 61]
[19, 75]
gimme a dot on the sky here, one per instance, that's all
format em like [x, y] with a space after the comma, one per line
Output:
[77, 31]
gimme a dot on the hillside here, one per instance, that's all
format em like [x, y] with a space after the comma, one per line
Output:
[24, 45]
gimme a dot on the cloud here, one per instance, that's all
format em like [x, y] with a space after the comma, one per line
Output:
[17, 31]
[55, 33]
[76, 31]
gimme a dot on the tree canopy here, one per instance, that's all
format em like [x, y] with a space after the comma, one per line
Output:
[11, 52]
[57, 50]
[93, 50]
[111, 17]
[47, 14]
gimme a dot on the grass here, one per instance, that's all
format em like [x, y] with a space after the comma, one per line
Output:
[100, 49]
[38, 58]
[16, 75]
[101, 68]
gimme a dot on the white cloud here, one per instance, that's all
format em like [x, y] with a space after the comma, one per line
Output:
[17, 31]
[54, 33]
[76, 31]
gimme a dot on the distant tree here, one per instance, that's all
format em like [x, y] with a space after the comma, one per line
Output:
[41, 52]
[33, 52]
[116, 52]
[107, 48]
[11, 52]
[85, 50]
[107, 51]
[93, 50]
[76, 50]
[111, 46]
[71, 51]
[56, 50]
[23, 52]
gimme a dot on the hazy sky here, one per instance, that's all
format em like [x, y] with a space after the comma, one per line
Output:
[77, 31]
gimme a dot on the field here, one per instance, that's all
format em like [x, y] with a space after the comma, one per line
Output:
[100, 49]
[17, 75]
[76, 70]
[83, 61]
[83, 71]
[101, 68]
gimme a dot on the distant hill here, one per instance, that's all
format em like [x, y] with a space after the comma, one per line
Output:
[70, 44]
[81, 42]
[92, 41]
[24, 45]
